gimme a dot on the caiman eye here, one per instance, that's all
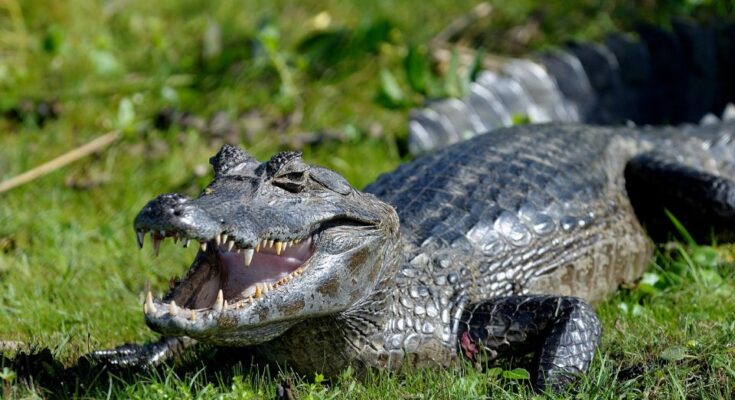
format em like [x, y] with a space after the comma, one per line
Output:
[293, 181]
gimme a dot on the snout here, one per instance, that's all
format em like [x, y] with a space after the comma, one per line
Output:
[176, 214]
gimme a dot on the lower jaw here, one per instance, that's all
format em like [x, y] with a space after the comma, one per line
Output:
[219, 328]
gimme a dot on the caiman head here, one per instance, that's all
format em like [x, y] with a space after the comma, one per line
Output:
[280, 242]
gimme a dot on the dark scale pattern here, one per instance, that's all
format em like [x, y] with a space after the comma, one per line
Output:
[280, 160]
[228, 157]
[515, 203]
[563, 331]
[527, 210]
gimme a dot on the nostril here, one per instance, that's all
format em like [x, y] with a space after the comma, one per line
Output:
[177, 212]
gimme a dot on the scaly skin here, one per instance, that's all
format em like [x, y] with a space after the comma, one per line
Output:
[502, 240]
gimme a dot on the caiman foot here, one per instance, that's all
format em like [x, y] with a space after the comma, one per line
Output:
[141, 356]
[562, 331]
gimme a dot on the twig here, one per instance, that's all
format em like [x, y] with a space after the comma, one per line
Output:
[58, 162]
[459, 24]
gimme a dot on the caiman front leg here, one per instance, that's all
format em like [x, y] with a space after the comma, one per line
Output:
[142, 355]
[562, 331]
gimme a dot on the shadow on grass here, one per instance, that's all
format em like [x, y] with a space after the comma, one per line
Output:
[39, 369]
[197, 368]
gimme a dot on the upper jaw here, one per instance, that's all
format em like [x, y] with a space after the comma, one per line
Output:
[198, 306]
[236, 273]
[210, 302]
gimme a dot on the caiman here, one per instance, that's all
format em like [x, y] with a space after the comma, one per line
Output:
[491, 247]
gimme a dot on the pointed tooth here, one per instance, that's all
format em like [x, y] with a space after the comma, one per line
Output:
[230, 245]
[149, 307]
[270, 243]
[156, 245]
[193, 315]
[224, 238]
[279, 247]
[186, 242]
[218, 240]
[257, 247]
[224, 306]
[140, 235]
[258, 291]
[249, 256]
[173, 309]
[220, 302]
[203, 246]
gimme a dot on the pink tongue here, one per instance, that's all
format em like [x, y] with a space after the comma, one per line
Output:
[266, 267]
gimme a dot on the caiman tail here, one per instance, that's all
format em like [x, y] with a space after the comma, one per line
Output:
[653, 77]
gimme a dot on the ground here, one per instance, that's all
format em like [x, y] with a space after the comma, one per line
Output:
[178, 79]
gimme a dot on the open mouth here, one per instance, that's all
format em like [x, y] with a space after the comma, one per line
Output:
[235, 275]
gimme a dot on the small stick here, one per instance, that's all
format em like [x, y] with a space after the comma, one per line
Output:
[459, 24]
[58, 162]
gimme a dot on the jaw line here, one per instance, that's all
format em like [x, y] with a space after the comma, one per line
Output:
[218, 269]
[203, 317]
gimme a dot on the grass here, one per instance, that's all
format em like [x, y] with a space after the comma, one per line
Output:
[257, 73]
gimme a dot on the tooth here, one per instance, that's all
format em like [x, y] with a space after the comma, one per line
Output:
[193, 315]
[258, 291]
[203, 246]
[257, 247]
[149, 307]
[156, 245]
[140, 235]
[218, 240]
[225, 305]
[249, 256]
[269, 243]
[173, 309]
[224, 238]
[279, 247]
[186, 243]
[219, 303]
[230, 245]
